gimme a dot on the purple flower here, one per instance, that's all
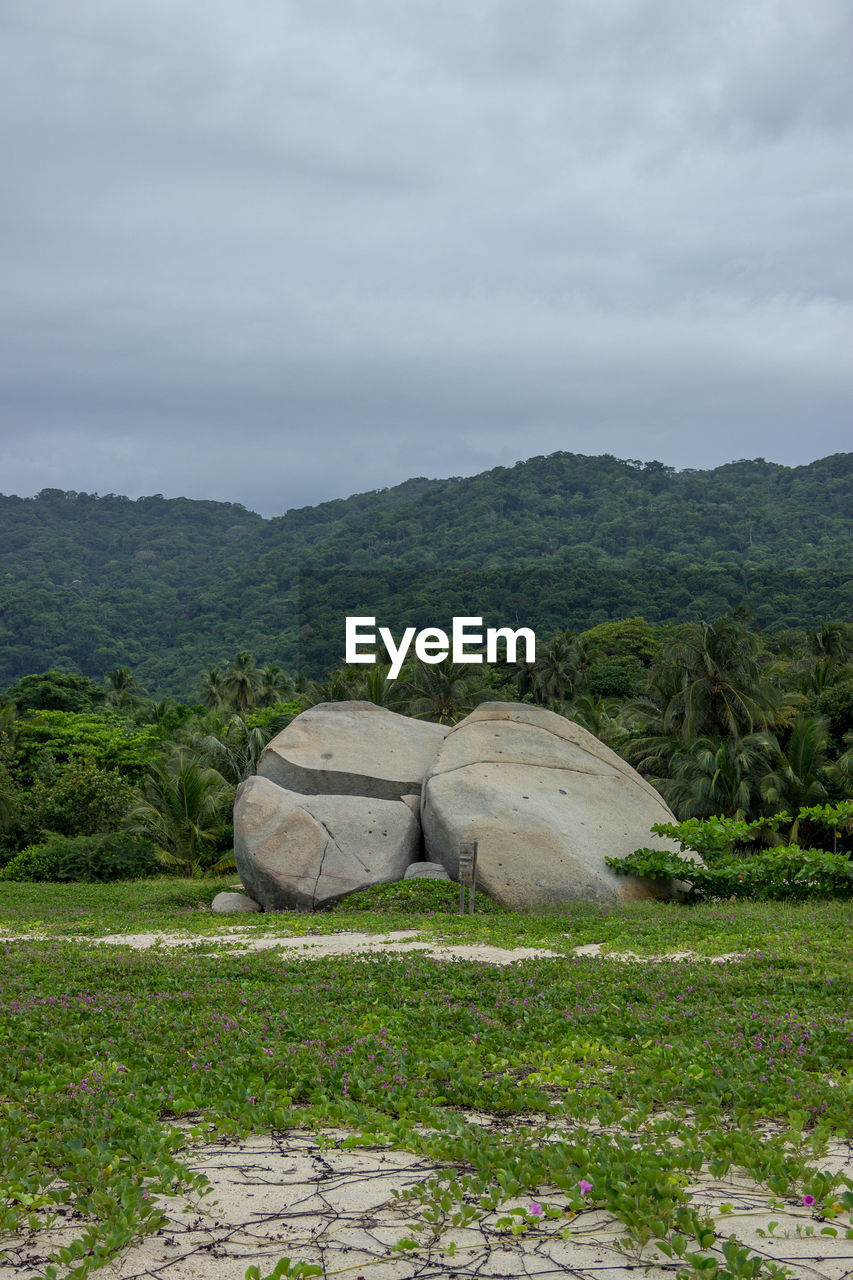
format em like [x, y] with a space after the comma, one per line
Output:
[585, 1187]
[536, 1209]
[808, 1200]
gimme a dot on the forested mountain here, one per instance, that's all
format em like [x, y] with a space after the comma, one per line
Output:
[169, 587]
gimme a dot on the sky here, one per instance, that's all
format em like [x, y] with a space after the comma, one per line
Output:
[274, 253]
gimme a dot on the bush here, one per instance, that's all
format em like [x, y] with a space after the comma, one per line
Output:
[718, 838]
[615, 677]
[784, 871]
[413, 897]
[74, 799]
[98, 858]
[106, 739]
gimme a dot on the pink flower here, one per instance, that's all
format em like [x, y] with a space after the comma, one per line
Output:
[808, 1199]
[585, 1187]
[536, 1209]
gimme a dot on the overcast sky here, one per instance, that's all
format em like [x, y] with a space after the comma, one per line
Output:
[275, 252]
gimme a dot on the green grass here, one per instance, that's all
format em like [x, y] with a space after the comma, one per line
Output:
[103, 1050]
[169, 905]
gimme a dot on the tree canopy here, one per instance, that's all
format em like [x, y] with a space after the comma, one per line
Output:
[166, 587]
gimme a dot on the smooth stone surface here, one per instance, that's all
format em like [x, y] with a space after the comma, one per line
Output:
[546, 801]
[352, 749]
[426, 871]
[233, 903]
[298, 851]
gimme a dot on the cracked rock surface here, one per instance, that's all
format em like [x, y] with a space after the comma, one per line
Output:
[546, 802]
[303, 851]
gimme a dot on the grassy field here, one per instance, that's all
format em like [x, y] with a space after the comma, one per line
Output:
[631, 1078]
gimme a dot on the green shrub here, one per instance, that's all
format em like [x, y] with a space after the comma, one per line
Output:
[414, 897]
[112, 855]
[718, 838]
[107, 739]
[785, 873]
[615, 677]
[74, 799]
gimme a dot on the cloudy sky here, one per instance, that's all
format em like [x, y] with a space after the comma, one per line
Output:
[278, 251]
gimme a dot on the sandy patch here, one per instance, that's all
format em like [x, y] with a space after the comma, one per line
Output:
[241, 941]
[296, 1195]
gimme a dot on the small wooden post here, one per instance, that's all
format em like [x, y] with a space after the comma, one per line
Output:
[467, 874]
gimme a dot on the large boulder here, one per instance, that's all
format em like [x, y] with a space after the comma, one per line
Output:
[352, 749]
[545, 801]
[300, 851]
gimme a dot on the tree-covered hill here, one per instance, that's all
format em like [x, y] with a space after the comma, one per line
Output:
[169, 587]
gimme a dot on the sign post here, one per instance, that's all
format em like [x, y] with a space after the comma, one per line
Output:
[467, 874]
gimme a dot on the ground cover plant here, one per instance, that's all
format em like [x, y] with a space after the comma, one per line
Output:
[106, 1049]
[169, 905]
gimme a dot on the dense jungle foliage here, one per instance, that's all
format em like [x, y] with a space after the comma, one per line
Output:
[167, 587]
[98, 780]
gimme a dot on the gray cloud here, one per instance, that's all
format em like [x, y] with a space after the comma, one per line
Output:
[275, 252]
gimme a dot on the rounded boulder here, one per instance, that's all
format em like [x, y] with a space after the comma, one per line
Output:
[546, 802]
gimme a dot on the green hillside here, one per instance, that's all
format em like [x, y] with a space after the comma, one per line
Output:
[169, 587]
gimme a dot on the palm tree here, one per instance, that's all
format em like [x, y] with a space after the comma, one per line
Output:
[182, 808]
[123, 688]
[832, 640]
[274, 683]
[653, 741]
[597, 714]
[212, 688]
[158, 711]
[718, 776]
[558, 670]
[8, 790]
[242, 681]
[725, 688]
[842, 770]
[818, 676]
[339, 687]
[375, 686]
[235, 749]
[9, 723]
[8, 803]
[444, 691]
[800, 772]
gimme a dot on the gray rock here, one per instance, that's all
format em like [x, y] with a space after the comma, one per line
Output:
[352, 749]
[426, 871]
[546, 802]
[230, 903]
[299, 851]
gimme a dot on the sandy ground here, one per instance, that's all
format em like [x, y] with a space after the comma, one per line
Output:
[312, 1199]
[293, 1194]
[313, 946]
